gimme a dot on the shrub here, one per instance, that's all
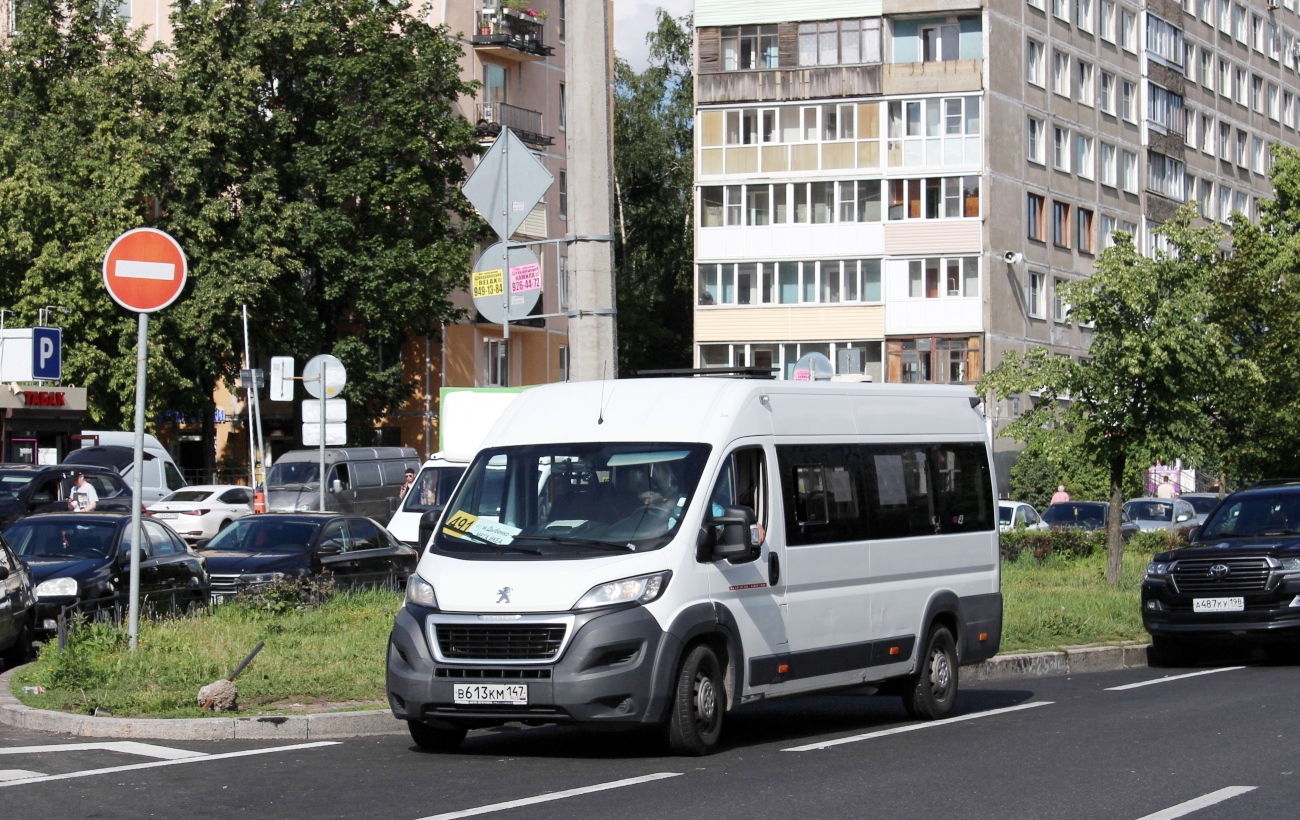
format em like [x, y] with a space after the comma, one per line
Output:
[288, 594]
[1066, 543]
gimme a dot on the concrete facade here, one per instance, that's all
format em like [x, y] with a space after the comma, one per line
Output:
[915, 180]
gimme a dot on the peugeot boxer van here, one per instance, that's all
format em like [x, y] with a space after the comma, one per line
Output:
[116, 449]
[661, 552]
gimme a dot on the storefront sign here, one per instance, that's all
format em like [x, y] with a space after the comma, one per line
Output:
[34, 399]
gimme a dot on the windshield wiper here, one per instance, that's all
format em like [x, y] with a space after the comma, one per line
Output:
[503, 547]
[612, 546]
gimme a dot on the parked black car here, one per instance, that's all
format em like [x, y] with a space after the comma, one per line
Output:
[1238, 578]
[17, 608]
[261, 549]
[86, 558]
[26, 489]
[1085, 515]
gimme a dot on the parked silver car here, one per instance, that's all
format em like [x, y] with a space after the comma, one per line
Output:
[1017, 515]
[1154, 514]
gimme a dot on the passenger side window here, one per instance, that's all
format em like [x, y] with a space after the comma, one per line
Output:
[963, 497]
[104, 484]
[174, 479]
[340, 472]
[367, 475]
[159, 539]
[144, 541]
[335, 537]
[822, 492]
[900, 491]
[234, 497]
[395, 472]
[365, 535]
[742, 483]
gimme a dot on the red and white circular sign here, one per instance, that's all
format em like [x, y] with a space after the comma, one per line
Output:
[145, 270]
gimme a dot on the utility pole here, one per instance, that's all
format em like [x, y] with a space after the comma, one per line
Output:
[593, 337]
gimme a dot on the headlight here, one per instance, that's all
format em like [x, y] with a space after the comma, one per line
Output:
[420, 592]
[57, 588]
[262, 577]
[1291, 564]
[642, 590]
[1158, 569]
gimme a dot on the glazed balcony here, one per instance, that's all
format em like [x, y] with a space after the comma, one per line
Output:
[510, 35]
[527, 125]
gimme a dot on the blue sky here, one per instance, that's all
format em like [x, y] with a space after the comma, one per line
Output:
[633, 19]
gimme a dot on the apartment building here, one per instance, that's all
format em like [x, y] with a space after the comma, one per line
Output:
[516, 50]
[904, 186]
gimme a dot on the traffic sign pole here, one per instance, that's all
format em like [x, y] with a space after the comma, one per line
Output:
[144, 270]
[322, 439]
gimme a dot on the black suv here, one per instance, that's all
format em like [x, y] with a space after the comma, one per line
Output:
[26, 489]
[17, 608]
[1238, 578]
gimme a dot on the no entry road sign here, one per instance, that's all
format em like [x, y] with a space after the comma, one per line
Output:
[145, 270]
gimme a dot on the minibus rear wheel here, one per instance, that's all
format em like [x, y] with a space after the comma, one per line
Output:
[932, 691]
[435, 740]
[695, 722]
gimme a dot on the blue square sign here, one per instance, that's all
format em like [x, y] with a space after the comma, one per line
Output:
[47, 353]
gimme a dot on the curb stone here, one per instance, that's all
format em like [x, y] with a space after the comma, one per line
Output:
[337, 725]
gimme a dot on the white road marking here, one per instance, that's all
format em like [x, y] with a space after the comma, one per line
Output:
[1169, 678]
[129, 747]
[1199, 803]
[825, 744]
[158, 763]
[546, 798]
[17, 774]
[134, 269]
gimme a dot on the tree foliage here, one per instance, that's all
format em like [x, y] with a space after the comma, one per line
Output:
[306, 155]
[654, 201]
[1153, 363]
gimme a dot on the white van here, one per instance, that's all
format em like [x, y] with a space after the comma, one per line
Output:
[116, 449]
[465, 415]
[699, 544]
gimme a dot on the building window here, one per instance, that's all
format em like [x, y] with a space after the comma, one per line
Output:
[1129, 171]
[1165, 176]
[1108, 20]
[1034, 216]
[562, 282]
[1037, 296]
[1207, 69]
[1061, 224]
[1165, 109]
[1225, 80]
[1207, 134]
[564, 194]
[1274, 110]
[1225, 203]
[1034, 63]
[1225, 141]
[1128, 100]
[1225, 16]
[1083, 230]
[1038, 4]
[1035, 138]
[1239, 23]
[1128, 31]
[1083, 157]
[933, 360]
[943, 278]
[839, 42]
[495, 369]
[1058, 300]
[1257, 93]
[1061, 148]
[745, 48]
[1084, 91]
[1108, 93]
[1205, 200]
[1061, 9]
[1240, 154]
[560, 21]
[749, 283]
[1107, 231]
[1240, 86]
[1164, 40]
[1061, 73]
[1257, 153]
[564, 363]
[1109, 166]
[1083, 14]
[563, 111]
[939, 43]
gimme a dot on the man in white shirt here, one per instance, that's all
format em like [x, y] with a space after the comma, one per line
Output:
[1165, 490]
[83, 497]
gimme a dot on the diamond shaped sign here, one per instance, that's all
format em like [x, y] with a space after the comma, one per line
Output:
[507, 183]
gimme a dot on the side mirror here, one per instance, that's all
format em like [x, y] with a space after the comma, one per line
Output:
[1193, 533]
[429, 523]
[4, 573]
[329, 548]
[201, 544]
[42, 498]
[336, 486]
[126, 556]
[1182, 518]
[735, 541]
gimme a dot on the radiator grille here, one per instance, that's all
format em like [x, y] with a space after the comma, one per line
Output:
[1197, 575]
[492, 642]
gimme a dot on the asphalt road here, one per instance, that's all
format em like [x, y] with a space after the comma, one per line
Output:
[1212, 743]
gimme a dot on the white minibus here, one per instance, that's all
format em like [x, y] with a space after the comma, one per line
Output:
[663, 551]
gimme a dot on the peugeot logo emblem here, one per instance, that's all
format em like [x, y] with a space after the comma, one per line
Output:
[1219, 571]
[503, 594]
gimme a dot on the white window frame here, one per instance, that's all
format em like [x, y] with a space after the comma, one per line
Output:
[1061, 148]
[1035, 140]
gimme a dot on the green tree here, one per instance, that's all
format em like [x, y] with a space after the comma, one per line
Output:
[1142, 392]
[654, 202]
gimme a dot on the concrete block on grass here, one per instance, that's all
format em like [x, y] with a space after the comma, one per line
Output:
[1095, 659]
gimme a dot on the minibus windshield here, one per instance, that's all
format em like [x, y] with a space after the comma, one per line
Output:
[571, 500]
[287, 473]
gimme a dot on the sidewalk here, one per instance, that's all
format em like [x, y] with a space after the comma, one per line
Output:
[337, 725]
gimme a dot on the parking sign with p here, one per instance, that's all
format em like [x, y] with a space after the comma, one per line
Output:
[47, 354]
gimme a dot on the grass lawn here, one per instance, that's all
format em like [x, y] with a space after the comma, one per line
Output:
[333, 656]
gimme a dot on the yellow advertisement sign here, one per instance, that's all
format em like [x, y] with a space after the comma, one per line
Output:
[487, 283]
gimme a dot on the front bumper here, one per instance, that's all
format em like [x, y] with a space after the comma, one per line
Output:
[609, 672]
[1267, 614]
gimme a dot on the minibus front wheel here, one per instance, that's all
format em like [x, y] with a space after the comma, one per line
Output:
[433, 739]
[932, 692]
[695, 720]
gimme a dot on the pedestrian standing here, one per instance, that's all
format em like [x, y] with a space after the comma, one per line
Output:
[83, 497]
[1165, 490]
[1060, 496]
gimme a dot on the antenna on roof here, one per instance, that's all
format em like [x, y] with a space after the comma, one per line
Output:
[600, 415]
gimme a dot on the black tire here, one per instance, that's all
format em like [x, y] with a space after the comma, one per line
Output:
[931, 692]
[433, 739]
[1166, 651]
[695, 720]
[21, 652]
[1282, 653]
[223, 525]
